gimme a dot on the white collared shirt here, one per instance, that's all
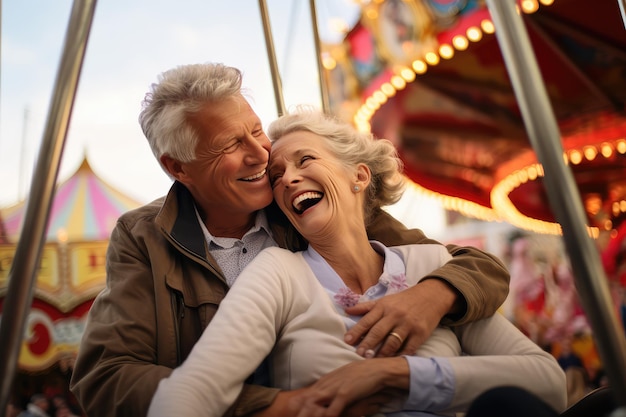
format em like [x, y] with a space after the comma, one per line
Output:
[432, 382]
[232, 254]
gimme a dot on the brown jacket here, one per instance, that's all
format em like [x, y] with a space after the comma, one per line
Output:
[163, 288]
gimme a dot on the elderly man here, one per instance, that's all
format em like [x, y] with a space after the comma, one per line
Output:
[171, 262]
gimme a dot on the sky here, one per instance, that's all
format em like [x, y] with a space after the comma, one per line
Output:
[130, 43]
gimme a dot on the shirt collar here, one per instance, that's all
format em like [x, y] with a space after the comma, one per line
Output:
[393, 266]
[260, 222]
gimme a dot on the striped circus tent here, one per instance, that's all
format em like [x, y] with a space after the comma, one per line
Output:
[72, 266]
[3, 234]
[85, 208]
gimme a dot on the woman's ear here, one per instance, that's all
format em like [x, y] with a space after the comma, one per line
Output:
[363, 175]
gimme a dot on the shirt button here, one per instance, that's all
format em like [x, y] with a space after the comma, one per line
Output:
[244, 250]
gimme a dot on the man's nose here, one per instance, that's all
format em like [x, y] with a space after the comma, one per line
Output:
[258, 150]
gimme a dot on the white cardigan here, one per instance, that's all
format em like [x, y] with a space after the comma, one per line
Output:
[277, 306]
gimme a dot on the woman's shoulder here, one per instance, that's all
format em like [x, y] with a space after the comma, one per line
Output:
[422, 250]
[279, 256]
[275, 251]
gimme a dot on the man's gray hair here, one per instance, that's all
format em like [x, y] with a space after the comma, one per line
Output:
[179, 93]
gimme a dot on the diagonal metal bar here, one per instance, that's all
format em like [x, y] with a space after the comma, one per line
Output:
[271, 55]
[0, 48]
[23, 273]
[318, 54]
[562, 191]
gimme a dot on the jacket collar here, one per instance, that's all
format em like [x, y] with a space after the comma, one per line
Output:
[177, 218]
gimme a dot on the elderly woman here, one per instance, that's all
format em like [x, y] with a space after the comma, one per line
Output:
[328, 179]
[171, 262]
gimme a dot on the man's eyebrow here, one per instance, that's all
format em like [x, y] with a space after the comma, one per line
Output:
[221, 142]
[226, 136]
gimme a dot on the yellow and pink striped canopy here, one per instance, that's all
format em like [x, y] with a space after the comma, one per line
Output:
[85, 208]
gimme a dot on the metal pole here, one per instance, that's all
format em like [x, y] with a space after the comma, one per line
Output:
[318, 54]
[0, 55]
[20, 182]
[271, 55]
[562, 191]
[622, 9]
[23, 273]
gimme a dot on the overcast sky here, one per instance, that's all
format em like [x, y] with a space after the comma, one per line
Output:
[131, 42]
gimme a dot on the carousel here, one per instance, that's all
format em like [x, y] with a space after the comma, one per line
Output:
[430, 76]
[434, 78]
[70, 274]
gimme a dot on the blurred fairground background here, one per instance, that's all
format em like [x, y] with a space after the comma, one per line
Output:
[426, 74]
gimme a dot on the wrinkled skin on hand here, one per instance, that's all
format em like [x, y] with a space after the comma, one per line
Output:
[358, 388]
[413, 314]
[292, 403]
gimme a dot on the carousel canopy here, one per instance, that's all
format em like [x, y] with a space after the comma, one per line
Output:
[72, 266]
[429, 75]
[85, 208]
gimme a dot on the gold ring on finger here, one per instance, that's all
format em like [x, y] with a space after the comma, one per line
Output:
[397, 336]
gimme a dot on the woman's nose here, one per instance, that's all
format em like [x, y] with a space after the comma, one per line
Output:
[291, 176]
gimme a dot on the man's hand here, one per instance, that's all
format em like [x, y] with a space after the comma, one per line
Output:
[411, 314]
[292, 403]
[365, 407]
[356, 389]
[286, 403]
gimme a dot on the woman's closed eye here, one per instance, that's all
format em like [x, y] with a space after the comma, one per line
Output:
[306, 158]
[275, 177]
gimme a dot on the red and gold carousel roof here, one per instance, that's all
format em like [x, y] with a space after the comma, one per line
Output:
[429, 75]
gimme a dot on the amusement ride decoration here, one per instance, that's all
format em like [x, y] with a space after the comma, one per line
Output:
[430, 77]
[72, 267]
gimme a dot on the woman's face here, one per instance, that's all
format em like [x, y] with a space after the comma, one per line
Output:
[311, 185]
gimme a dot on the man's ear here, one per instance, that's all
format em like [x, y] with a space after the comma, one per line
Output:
[363, 175]
[174, 167]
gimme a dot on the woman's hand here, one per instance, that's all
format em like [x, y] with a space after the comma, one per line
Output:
[358, 388]
[291, 403]
[366, 407]
[411, 315]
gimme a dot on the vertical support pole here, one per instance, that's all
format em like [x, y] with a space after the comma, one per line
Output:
[0, 47]
[562, 191]
[622, 9]
[23, 273]
[318, 54]
[271, 55]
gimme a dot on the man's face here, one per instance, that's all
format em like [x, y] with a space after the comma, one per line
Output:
[228, 179]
